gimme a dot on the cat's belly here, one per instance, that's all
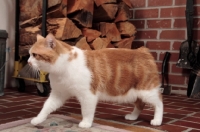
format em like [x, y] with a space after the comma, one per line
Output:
[130, 97]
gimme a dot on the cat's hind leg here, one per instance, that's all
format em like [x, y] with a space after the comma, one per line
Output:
[139, 105]
[55, 101]
[88, 107]
[156, 101]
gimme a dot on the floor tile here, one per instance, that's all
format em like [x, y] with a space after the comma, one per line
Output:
[188, 124]
[175, 116]
[113, 111]
[170, 110]
[172, 128]
[14, 114]
[12, 109]
[195, 130]
[192, 119]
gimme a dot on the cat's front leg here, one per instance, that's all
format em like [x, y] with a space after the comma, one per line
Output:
[55, 101]
[88, 106]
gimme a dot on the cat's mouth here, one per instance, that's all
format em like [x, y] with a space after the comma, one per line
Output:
[34, 67]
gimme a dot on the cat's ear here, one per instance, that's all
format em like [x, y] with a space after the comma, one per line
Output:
[51, 41]
[39, 37]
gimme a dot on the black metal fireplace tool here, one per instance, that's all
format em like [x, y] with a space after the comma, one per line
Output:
[189, 48]
[189, 57]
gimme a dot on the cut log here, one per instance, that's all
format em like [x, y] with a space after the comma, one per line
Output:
[128, 2]
[82, 12]
[110, 46]
[105, 13]
[51, 3]
[82, 44]
[63, 28]
[36, 8]
[28, 35]
[125, 43]
[100, 2]
[27, 39]
[110, 31]
[100, 43]
[76, 5]
[126, 29]
[123, 13]
[90, 34]
[83, 18]
[24, 50]
[56, 13]
[63, 7]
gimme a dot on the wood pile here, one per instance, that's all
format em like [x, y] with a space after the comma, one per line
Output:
[87, 24]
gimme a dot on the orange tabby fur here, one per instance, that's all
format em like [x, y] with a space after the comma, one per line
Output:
[122, 69]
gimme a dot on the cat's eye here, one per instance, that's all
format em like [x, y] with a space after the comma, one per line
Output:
[34, 54]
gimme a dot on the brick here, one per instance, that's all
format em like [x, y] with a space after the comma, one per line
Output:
[180, 2]
[196, 34]
[173, 57]
[137, 44]
[150, 34]
[196, 23]
[164, 23]
[158, 45]
[138, 23]
[183, 2]
[196, 10]
[154, 55]
[177, 79]
[173, 34]
[179, 23]
[138, 3]
[159, 65]
[176, 69]
[159, 2]
[173, 12]
[176, 45]
[196, 2]
[146, 13]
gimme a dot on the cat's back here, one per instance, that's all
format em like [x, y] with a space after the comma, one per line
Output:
[121, 56]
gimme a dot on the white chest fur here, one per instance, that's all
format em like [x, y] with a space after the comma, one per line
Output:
[72, 76]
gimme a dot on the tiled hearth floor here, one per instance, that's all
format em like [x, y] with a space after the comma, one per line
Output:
[181, 114]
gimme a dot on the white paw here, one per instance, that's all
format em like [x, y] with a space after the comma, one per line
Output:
[84, 124]
[156, 122]
[37, 120]
[131, 117]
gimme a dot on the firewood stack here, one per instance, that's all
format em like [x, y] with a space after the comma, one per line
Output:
[87, 24]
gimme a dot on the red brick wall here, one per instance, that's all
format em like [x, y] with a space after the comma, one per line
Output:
[161, 26]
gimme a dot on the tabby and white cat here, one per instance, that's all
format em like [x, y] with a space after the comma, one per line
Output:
[116, 75]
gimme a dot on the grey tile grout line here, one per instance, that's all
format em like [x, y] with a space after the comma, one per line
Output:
[188, 115]
[188, 130]
[135, 123]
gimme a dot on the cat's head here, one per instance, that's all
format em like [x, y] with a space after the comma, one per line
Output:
[45, 52]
